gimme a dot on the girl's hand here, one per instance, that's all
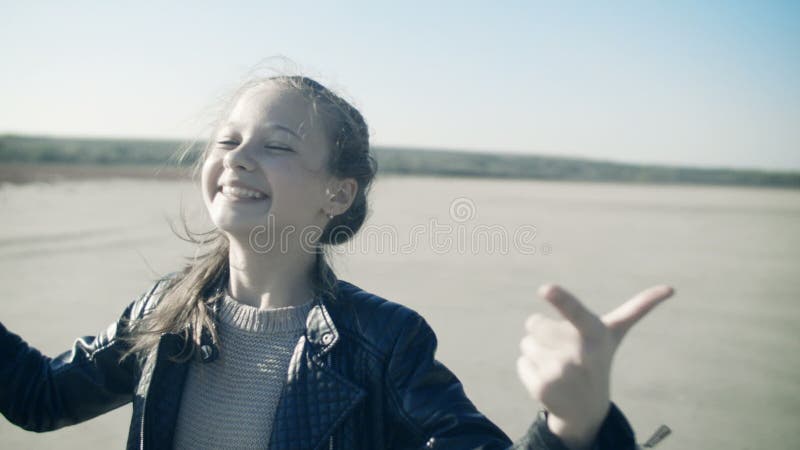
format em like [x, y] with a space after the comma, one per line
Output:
[566, 365]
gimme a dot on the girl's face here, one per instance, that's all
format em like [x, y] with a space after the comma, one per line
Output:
[267, 165]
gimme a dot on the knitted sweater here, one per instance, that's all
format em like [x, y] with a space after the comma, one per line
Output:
[230, 402]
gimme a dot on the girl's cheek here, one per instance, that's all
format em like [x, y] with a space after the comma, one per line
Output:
[280, 165]
[310, 167]
[212, 165]
[209, 175]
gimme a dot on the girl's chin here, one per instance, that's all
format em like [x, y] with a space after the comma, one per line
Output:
[239, 210]
[239, 224]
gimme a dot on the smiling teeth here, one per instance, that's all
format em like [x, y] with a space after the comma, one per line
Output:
[242, 192]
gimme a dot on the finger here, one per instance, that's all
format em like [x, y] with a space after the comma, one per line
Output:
[531, 349]
[549, 333]
[537, 322]
[569, 307]
[621, 319]
[528, 376]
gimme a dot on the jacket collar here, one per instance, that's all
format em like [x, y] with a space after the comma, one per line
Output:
[321, 333]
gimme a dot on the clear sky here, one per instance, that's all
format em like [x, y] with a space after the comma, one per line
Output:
[676, 82]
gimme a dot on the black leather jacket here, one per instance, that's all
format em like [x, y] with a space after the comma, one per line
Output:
[363, 377]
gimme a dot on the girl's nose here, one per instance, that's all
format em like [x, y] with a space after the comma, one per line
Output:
[238, 158]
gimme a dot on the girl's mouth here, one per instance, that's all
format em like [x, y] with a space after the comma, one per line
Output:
[239, 193]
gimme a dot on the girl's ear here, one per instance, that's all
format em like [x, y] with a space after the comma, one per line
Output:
[342, 195]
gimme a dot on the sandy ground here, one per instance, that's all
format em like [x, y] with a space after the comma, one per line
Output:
[718, 363]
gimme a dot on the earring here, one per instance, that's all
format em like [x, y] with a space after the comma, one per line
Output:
[332, 196]
[330, 214]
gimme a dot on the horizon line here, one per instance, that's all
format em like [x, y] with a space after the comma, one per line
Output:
[498, 152]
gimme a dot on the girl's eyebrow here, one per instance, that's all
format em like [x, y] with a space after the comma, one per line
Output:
[281, 127]
[267, 125]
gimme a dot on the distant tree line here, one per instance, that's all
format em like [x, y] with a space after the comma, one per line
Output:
[397, 161]
[85, 150]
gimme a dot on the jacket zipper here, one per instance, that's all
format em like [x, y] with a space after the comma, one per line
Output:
[141, 434]
[149, 385]
[144, 410]
[330, 441]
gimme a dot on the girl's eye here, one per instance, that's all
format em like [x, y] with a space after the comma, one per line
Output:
[278, 147]
[228, 143]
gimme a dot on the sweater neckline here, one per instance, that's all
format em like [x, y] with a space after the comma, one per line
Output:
[264, 321]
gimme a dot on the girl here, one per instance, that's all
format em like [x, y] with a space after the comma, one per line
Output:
[257, 344]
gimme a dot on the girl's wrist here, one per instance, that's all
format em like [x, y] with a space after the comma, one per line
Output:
[576, 436]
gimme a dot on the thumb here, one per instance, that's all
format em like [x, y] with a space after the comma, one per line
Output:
[625, 316]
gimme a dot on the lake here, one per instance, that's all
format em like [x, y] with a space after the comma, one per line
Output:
[719, 362]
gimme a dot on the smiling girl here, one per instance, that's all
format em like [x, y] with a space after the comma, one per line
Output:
[262, 346]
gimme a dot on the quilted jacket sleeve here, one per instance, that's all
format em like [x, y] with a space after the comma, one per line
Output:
[39, 393]
[429, 408]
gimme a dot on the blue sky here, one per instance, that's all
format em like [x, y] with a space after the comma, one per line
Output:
[692, 83]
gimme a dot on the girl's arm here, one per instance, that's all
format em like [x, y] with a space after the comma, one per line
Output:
[429, 409]
[39, 393]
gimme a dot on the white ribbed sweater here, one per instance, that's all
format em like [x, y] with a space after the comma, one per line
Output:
[230, 402]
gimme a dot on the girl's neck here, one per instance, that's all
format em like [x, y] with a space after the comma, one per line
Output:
[269, 280]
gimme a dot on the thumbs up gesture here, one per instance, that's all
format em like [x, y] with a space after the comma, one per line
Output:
[566, 364]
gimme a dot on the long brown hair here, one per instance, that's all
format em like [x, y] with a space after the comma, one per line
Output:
[187, 298]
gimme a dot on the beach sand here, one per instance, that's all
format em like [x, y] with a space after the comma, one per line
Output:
[718, 363]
